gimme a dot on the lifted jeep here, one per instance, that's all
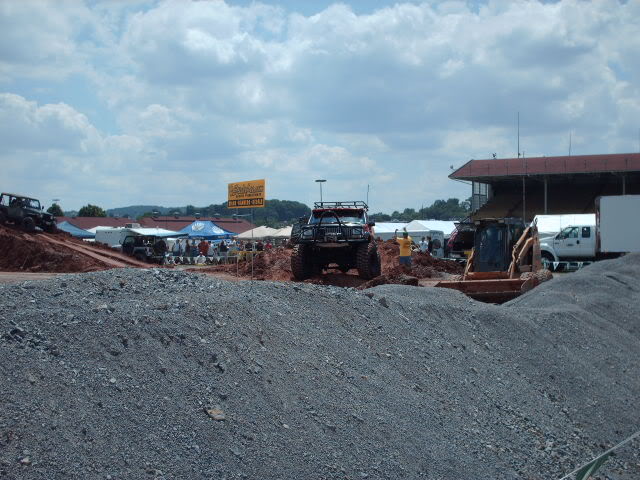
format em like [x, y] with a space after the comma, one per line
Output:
[146, 248]
[336, 235]
[25, 212]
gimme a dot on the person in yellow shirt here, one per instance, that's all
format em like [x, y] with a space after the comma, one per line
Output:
[405, 248]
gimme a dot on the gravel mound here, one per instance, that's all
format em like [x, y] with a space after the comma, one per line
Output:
[168, 374]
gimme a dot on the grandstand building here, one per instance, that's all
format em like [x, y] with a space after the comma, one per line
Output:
[526, 187]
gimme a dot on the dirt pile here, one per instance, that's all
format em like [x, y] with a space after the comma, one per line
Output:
[60, 252]
[275, 264]
[424, 265]
[167, 374]
[34, 253]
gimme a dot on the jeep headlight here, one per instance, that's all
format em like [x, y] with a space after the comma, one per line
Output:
[356, 232]
[307, 233]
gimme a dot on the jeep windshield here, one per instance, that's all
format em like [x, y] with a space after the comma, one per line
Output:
[345, 216]
[31, 203]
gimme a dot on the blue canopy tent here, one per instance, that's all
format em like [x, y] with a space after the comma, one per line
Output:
[207, 230]
[75, 231]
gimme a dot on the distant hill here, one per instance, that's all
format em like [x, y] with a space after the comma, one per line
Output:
[135, 211]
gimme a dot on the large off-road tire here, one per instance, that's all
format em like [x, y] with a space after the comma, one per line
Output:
[51, 228]
[368, 261]
[141, 256]
[301, 264]
[547, 260]
[3, 218]
[28, 225]
[344, 268]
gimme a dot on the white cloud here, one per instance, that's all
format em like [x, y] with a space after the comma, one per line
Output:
[205, 92]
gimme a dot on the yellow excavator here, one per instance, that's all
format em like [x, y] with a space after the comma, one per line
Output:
[505, 261]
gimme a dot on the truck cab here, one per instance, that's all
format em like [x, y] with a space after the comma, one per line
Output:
[572, 242]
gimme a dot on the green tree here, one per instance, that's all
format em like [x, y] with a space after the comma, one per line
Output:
[91, 211]
[55, 210]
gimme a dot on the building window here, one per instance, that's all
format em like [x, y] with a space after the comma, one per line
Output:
[480, 195]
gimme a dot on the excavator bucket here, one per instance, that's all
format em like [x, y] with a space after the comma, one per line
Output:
[497, 290]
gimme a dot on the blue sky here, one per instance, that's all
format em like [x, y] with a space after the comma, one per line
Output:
[165, 102]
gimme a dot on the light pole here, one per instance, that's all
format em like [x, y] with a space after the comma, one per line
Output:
[320, 181]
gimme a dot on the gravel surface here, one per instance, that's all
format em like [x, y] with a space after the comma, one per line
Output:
[156, 373]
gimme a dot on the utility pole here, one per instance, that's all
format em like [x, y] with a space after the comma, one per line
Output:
[518, 134]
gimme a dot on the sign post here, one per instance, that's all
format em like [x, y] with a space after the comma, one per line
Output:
[250, 194]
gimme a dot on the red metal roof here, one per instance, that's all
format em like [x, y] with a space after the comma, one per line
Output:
[172, 223]
[507, 167]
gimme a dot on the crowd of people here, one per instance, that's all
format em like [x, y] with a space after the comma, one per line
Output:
[192, 251]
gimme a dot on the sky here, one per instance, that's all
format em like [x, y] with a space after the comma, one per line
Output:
[118, 103]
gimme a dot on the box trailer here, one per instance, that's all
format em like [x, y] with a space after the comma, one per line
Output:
[617, 225]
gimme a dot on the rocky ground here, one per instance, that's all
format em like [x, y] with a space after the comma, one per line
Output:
[159, 373]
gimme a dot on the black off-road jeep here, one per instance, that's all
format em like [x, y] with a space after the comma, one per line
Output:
[146, 248]
[25, 212]
[336, 235]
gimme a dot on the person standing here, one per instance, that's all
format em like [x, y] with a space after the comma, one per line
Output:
[405, 248]
[424, 245]
[429, 245]
[203, 247]
[177, 248]
[224, 250]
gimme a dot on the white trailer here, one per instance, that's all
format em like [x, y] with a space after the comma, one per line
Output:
[111, 236]
[617, 226]
[116, 235]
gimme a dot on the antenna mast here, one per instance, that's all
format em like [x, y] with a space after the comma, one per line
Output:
[518, 134]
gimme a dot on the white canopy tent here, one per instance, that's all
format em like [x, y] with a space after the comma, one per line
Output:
[386, 230]
[257, 233]
[284, 232]
[445, 226]
[419, 228]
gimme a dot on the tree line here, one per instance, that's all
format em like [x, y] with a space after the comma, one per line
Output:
[277, 213]
[451, 209]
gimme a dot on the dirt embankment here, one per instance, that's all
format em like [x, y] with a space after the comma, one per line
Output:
[43, 252]
[275, 265]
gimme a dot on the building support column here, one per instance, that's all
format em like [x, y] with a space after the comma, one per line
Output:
[624, 184]
[545, 195]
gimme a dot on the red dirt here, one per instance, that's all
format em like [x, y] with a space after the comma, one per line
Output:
[43, 252]
[276, 265]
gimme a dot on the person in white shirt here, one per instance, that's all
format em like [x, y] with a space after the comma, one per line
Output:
[424, 245]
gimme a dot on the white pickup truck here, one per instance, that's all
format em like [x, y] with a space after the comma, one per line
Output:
[615, 231]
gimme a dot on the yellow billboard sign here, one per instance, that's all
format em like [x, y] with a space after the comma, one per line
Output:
[247, 194]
